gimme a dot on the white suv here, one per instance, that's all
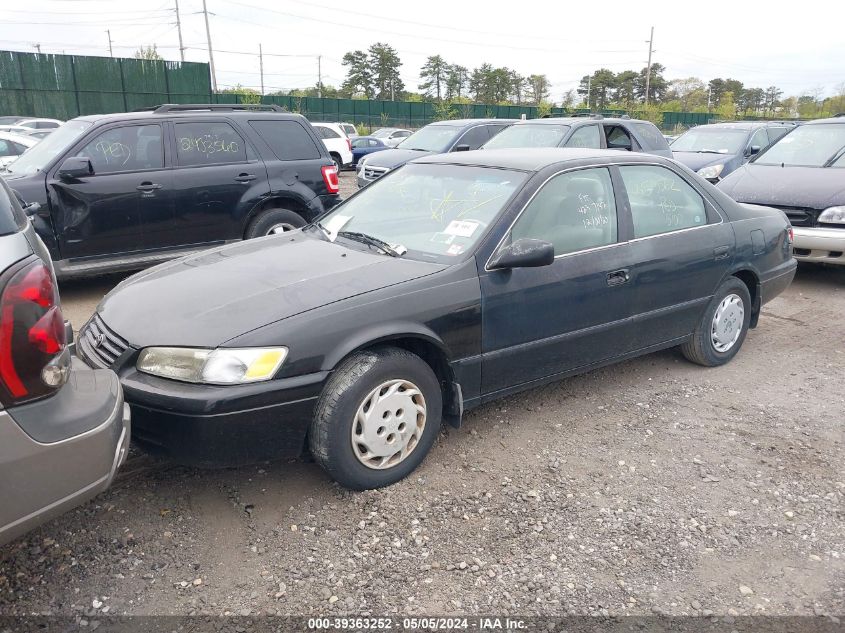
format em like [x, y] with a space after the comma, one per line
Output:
[336, 141]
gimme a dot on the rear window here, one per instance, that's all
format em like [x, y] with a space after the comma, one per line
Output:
[650, 135]
[325, 132]
[288, 139]
[11, 218]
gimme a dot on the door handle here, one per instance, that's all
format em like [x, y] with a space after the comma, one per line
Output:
[618, 277]
[148, 186]
[245, 177]
[721, 252]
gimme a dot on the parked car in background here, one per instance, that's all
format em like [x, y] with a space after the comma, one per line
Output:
[717, 149]
[32, 123]
[365, 145]
[13, 145]
[337, 143]
[38, 134]
[435, 138]
[64, 429]
[434, 290]
[803, 175]
[391, 136]
[350, 130]
[111, 198]
[594, 132]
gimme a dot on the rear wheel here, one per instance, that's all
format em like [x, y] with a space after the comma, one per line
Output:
[273, 221]
[338, 163]
[377, 418]
[723, 326]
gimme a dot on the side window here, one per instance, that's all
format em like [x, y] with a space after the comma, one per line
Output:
[776, 132]
[373, 142]
[127, 148]
[46, 125]
[7, 148]
[618, 138]
[495, 129]
[661, 201]
[651, 136]
[475, 138]
[208, 143]
[760, 138]
[287, 139]
[400, 134]
[574, 211]
[586, 136]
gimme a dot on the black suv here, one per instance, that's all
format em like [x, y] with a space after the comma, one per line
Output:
[123, 191]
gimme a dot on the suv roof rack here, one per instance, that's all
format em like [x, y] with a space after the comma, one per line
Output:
[222, 107]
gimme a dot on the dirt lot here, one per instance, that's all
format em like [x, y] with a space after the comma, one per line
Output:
[652, 486]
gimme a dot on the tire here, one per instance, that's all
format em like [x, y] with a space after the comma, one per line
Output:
[338, 163]
[713, 348]
[273, 221]
[332, 436]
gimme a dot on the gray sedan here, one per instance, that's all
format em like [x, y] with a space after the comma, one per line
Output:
[64, 428]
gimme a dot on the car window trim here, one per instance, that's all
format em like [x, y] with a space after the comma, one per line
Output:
[705, 200]
[94, 132]
[235, 128]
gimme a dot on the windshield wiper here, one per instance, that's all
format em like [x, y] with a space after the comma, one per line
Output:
[707, 151]
[383, 246]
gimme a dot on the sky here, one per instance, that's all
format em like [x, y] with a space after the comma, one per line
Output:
[759, 43]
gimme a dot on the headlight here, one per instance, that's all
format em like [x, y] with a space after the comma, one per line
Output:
[833, 215]
[711, 172]
[214, 367]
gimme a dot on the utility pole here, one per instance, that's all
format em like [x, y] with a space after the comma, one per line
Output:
[589, 85]
[261, 66]
[179, 29]
[709, 92]
[320, 76]
[648, 67]
[210, 51]
[111, 52]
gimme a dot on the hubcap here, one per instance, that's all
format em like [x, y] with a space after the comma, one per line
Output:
[282, 227]
[727, 323]
[389, 424]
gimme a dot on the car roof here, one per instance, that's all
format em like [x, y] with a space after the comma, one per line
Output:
[19, 138]
[836, 119]
[572, 120]
[534, 159]
[187, 111]
[467, 122]
[740, 125]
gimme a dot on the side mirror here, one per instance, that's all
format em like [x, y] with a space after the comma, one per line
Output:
[76, 167]
[524, 253]
[30, 208]
[754, 149]
[461, 148]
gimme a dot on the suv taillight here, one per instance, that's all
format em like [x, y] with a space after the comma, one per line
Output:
[349, 143]
[34, 361]
[330, 178]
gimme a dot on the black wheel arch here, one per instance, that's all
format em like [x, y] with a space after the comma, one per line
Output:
[298, 205]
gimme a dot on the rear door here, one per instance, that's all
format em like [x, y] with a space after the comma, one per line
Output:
[681, 251]
[218, 178]
[104, 214]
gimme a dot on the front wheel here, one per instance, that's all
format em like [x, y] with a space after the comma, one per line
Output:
[723, 326]
[377, 418]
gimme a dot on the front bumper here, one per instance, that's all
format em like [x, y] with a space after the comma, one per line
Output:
[215, 427]
[819, 245]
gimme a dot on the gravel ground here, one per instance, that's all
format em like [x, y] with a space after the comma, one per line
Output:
[654, 486]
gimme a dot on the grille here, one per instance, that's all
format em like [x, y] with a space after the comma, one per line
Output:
[372, 173]
[801, 216]
[99, 344]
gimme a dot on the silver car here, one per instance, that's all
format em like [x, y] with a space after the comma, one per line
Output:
[64, 428]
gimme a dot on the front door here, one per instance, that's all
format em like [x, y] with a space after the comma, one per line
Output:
[216, 171]
[102, 215]
[680, 252]
[538, 322]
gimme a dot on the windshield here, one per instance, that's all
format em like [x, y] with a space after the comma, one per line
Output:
[711, 140]
[436, 212]
[807, 146]
[383, 133]
[431, 138]
[528, 136]
[40, 155]
[9, 120]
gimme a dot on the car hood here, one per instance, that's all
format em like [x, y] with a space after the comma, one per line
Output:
[392, 158]
[696, 160]
[811, 187]
[207, 299]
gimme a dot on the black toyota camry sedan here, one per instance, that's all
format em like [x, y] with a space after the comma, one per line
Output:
[451, 281]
